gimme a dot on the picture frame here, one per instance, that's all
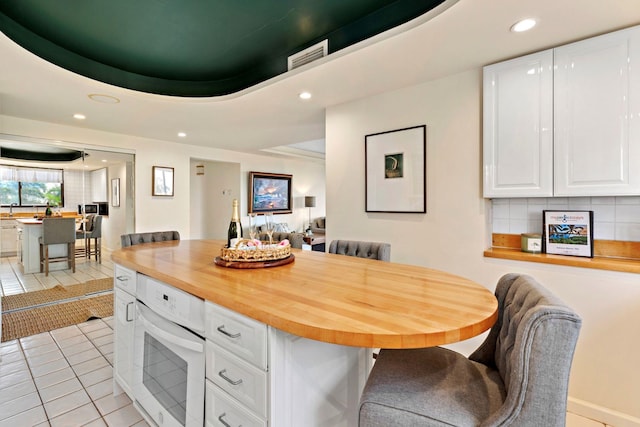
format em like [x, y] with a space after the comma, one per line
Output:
[270, 192]
[115, 192]
[567, 232]
[395, 171]
[162, 181]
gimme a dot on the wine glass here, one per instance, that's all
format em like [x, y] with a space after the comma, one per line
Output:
[253, 226]
[269, 225]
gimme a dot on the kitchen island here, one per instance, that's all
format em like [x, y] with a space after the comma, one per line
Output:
[30, 231]
[321, 304]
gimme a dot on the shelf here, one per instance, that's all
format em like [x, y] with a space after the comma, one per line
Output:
[610, 255]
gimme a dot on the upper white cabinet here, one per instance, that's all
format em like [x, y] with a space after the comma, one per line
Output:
[597, 116]
[99, 185]
[566, 121]
[518, 133]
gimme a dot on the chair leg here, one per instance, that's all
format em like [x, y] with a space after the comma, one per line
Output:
[71, 256]
[98, 248]
[46, 260]
[41, 258]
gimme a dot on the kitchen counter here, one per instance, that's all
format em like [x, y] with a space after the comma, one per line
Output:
[29, 247]
[332, 298]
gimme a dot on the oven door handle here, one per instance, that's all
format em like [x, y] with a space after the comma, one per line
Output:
[184, 343]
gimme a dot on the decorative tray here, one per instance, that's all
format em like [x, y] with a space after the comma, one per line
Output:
[253, 264]
[255, 254]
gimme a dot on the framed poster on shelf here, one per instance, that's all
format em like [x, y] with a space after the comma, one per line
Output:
[567, 232]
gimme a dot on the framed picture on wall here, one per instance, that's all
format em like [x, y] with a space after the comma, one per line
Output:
[115, 192]
[567, 232]
[270, 192]
[395, 171]
[162, 181]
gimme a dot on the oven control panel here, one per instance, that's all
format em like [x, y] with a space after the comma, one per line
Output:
[174, 304]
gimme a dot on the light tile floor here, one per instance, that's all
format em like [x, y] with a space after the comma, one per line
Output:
[64, 377]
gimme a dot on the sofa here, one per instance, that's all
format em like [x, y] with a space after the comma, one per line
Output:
[317, 225]
[296, 239]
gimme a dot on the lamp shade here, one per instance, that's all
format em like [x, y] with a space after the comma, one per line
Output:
[309, 201]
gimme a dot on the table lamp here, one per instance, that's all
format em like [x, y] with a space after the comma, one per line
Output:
[309, 202]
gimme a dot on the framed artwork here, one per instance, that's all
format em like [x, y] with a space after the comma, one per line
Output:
[115, 192]
[162, 181]
[395, 171]
[567, 232]
[269, 192]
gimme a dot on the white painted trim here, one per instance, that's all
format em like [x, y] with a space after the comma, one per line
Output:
[601, 414]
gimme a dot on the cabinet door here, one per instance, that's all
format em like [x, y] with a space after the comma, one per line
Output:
[124, 309]
[597, 127]
[99, 185]
[518, 134]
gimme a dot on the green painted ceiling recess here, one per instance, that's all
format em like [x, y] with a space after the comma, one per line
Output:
[193, 48]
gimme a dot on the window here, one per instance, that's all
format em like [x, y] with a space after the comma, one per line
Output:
[22, 186]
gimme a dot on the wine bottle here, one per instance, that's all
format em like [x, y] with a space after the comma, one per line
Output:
[47, 211]
[235, 228]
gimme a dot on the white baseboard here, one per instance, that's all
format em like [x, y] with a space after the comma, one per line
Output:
[601, 414]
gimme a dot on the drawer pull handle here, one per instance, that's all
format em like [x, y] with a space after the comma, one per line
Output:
[221, 419]
[222, 330]
[123, 278]
[130, 318]
[229, 380]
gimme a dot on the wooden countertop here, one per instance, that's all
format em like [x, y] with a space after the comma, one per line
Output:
[331, 298]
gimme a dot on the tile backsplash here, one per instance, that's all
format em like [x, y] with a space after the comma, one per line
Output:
[614, 218]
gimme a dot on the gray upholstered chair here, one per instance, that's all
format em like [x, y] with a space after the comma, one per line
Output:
[127, 240]
[94, 233]
[518, 376]
[57, 231]
[371, 250]
[85, 226]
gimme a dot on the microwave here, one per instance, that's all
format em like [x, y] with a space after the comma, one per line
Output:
[88, 209]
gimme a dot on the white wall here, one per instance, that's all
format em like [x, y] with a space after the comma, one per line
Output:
[172, 213]
[605, 379]
[212, 195]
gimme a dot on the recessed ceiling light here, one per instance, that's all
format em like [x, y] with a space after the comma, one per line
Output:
[305, 95]
[105, 99]
[523, 25]
[182, 134]
[79, 116]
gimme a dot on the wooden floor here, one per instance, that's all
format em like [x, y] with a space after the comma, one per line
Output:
[13, 281]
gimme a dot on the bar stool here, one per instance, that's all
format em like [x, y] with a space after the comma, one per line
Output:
[57, 231]
[85, 226]
[96, 234]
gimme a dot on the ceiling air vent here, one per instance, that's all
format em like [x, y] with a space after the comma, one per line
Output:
[310, 54]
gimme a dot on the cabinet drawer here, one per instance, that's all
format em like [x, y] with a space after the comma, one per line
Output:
[239, 334]
[125, 279]
[220, 409]
[241, 380]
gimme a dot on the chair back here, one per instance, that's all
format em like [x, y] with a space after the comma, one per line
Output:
[131, 239]
[531, 345]
[371, 250]
[58, 230]
[96, 228]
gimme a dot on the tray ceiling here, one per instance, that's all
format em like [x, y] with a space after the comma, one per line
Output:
[193, 48]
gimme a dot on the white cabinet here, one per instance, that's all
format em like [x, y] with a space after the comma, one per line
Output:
[99, 185]
[575, 132]
[518, 127]
[597, 116]
[8, 237]
[124, 310]
[258, 375]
